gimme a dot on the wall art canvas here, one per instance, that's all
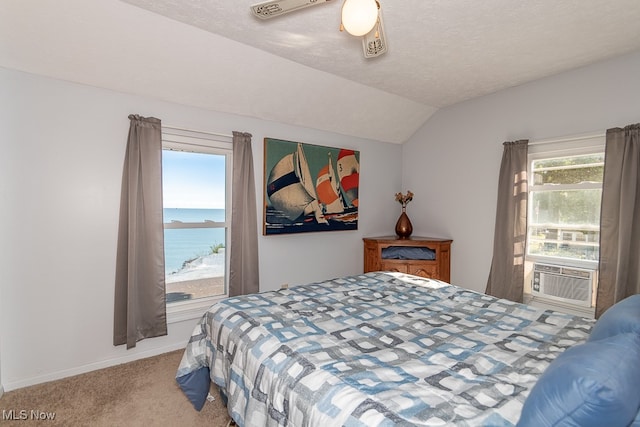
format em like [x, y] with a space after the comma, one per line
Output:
[309, 187]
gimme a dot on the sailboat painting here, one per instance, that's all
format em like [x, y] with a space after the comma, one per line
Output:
[309, 187]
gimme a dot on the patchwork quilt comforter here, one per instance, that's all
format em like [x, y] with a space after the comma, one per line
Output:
[378, 349]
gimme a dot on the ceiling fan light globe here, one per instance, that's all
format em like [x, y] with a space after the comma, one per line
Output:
[359, 16]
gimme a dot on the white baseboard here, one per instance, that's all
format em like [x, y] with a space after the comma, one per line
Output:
[91, 367]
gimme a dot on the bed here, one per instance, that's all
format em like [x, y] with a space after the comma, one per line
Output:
[390, 349]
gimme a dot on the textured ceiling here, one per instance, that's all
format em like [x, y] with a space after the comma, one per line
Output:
[299, 69]
[441, 51]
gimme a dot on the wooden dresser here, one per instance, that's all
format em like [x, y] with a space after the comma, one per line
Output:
[439, 268]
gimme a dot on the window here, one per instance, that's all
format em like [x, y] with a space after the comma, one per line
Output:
[564, 206]
[563, 224]
[196, 193]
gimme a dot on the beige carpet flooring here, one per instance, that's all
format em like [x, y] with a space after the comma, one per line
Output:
[140, 393]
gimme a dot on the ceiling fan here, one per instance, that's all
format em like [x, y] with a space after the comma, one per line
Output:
[360, 18]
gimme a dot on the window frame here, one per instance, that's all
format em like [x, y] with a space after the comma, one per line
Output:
[567, 147]
[542, 149]
[533, 188]
[207, 143]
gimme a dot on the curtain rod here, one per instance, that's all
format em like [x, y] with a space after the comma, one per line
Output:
[568, 139]
[195, 131]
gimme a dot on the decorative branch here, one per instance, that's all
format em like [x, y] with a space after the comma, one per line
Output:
[404, 199]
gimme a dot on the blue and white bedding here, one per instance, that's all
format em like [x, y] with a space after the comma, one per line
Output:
[378, 349]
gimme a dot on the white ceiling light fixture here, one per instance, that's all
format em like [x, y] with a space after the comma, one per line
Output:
[362, 18]
[359, 16]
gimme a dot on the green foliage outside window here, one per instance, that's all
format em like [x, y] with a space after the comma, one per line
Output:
[564, 207]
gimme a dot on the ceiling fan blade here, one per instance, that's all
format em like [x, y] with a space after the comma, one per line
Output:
[273, 8]
[374, 43]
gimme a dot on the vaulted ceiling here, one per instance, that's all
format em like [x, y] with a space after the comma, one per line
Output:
[299, 68]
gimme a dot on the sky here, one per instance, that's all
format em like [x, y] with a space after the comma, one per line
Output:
[193, 180]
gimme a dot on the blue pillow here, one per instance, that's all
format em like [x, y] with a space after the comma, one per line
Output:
[592, 384]
[621, 317]
[196, 386]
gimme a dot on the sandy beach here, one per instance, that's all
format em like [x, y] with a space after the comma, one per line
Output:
[201, 277]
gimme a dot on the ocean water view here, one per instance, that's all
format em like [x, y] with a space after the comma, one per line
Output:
[182, 245]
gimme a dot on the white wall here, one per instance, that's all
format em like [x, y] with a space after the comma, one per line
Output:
[452, 162]
[63, 148]
[1, 386]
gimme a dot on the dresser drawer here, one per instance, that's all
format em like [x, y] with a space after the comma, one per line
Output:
[418, 268]
[438, 268]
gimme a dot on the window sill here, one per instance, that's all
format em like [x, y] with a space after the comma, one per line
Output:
[190, 310]
[577, 263]
[549, 304]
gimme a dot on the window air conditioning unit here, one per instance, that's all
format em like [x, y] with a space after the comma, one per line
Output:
[565, 284]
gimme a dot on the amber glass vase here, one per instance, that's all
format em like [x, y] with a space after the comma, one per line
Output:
[403, 226]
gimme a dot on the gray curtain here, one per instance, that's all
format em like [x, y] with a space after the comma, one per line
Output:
[506, 278]
[243, 274]
[140, 302]
[620, 218]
